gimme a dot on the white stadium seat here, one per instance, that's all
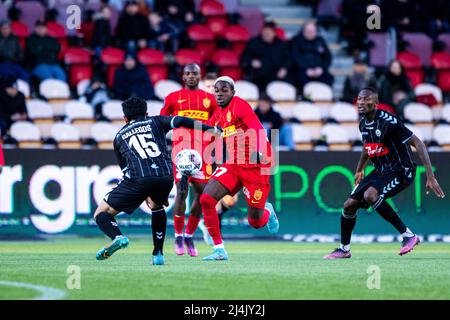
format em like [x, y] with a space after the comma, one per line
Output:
[246, 90]
[446, 113]
[441, 134]
[286, 111]
[418, 132]
[104, 133]
[26, 133]
[66, 135]
[54, 89]
[81, 115]
[154, 107]
[41, 113]
[113, 111]
[23, 87]
[164, 87]
[422, 117]
[318, 91]
[336, 137]
[309, 115]
[428, 88]
[82, 86]
[302, 137]
[347, 115]
[281, 91]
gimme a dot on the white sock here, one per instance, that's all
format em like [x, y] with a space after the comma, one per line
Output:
[178, 235]
[187, 235]
[407, 233]
[345, 247]
[219, 246]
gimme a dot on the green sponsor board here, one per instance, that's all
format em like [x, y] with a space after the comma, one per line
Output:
[56, 191]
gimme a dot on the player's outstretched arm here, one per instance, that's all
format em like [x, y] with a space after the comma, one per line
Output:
[359, 174]
[425, 158]
[185, 122]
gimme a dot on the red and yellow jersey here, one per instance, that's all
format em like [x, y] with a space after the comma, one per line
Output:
[243, 133]
[194, 104]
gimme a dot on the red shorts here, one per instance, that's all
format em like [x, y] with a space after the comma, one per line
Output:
[255, 187]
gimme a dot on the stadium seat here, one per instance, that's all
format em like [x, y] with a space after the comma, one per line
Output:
[413, 67]
[23, 87]
[20, 30]
[186, 56]
[445, 38]
[31, 11]
[82, 86]
[57, 31]
[281, 34]
[428, 88]
[418, 132]
[421, 116]
[164, 87]
[318, 92]
[238, 37]
[302, 137]
[446, 113]
[441, 134]
[81, 116]
[79, 62]
[204, 40]
[310, 117]
[41, 113]
[153, 60]
[216, 16]
[347, 116]
[441, 62]
[246, 90]
[281, 91]
[54, 89]
[285, 110]
[113, 111]
[154, 107]
[27, 134]
[103, 133]
[228, 63]
[112, 58]
[336, 137]
[420, 44]
[66, 135]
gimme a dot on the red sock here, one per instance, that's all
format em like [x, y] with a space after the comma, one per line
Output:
[178, 223]
[211, 217]
[192, 224]
[261, 222]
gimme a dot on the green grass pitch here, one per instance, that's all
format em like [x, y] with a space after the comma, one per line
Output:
[256, 270]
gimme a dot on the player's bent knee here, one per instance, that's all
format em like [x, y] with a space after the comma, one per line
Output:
[207, 201]
[351, 205]
[371, 195]
[104, 207]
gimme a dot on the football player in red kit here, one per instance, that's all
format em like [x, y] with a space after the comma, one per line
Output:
[197, 104]
[247, 165]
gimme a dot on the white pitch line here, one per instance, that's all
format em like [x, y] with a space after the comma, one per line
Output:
[47, 293]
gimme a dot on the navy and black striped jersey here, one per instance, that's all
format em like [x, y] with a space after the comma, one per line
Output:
[386, 140]
[141, 147]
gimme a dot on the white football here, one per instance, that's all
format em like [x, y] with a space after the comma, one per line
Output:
[188, 162]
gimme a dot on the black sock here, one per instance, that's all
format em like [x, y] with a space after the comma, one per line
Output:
[348, 222]
[386, 211]
[159, 223]
[108, 225]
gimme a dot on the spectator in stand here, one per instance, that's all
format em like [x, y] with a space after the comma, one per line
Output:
[438, 17]
[132, 80]
[102, 29]
[396, 89]
[132, 29]
[12, 104]
[161, 35]
[96, 94]
[358, 80]
[42, 52]
[354, 24]
[11, 54]
[404, 15]
[271, 120]
[266, 58]
[311, 56]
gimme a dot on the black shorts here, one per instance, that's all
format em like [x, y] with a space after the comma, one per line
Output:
[387, 184]
[129, 194]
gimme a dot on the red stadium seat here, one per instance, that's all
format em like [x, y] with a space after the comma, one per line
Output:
[113, 58]
[21, 31]
[281, 34]
[154, 61]
[79, 62]
[87, 31]
[228, 63]
[186, 56]
[413, 67]
[216, 16]
[441, 62]
[238, 37]
[203, 38]
[57, 31]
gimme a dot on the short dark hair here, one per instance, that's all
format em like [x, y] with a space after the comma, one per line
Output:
[134, 107]
[371, 89]
[210, 76]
